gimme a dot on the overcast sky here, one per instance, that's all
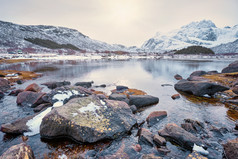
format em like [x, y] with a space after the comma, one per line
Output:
[127, 22]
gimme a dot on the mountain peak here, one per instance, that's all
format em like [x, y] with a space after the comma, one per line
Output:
[201, 24]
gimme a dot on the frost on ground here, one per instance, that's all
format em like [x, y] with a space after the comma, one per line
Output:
[91, 107]
[34, 123]
[199, 149]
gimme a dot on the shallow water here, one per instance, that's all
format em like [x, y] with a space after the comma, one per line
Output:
[146, 75]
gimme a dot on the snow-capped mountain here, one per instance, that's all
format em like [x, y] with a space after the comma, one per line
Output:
[15, 36]
[203, 33]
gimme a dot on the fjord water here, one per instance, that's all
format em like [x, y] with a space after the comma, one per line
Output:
[146, 75]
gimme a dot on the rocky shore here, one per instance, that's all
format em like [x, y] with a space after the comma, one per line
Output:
[80, 113]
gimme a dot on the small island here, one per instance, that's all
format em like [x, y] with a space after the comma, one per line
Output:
[195, 50]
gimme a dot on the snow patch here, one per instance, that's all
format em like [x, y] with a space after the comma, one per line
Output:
[201, 150]
[63, 156]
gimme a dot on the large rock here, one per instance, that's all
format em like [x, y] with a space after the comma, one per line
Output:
[145, 137]
[84, 84]
[119, 97]
[53, 85]
[28, 98]
[142, 100]
[33, 87]
[198, 73]
[231, 148]
[199, 88]
[88, 119]
[155, 116]
[4, 85]
[20, 151]
[180, 136]
[233, 67]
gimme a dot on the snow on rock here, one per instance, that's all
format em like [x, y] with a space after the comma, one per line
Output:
[201, 150]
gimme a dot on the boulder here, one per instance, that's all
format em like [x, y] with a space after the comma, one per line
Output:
[198, 73]
[33, 87]
[233, 67]
[159, 140]
[84, 84]
[4, 85]
[53, 85]
[175, 96]
[235, 89]
[195, 155]
[199, 88]
[20, 151]
[42, 107]
[17, 127]
[145, 137]
[16, 92]
[142, 100]
[28, 98]
[155, 116]
[180, 136]
[121, 88]
[230, 149]
[178, 77]
[89, 120]
[119, 97]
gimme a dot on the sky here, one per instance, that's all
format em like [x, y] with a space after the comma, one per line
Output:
[127, 22]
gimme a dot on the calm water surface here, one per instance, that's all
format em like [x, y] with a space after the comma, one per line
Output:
[146, 75]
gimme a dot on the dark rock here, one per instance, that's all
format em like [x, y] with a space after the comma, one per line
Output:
[175, 96]
[33, 88]
[163, 150]
[192, 126]
[16, 92]
[1, 94]
[17, 127]
[178, 77]
[155, 116]
[159, 140]
[102, 85]
[163, 85]
[150, 156]
[230, 149]
[198, 73]
[28, 98]
[84, 84]
[233, 67]
[145, 137]
[121, 88]
[53, 85]
[41, 107]
[195, 155]
[20, 81]
[4, 85]
[88, 120]
[180, 136]
[20, 151]
[2, 75]
[133, 109]
[142, 100]
[199, 88]
[235, 89]
[119, 97]
[236, 125]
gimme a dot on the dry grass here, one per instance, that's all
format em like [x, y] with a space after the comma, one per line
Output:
[22, 75]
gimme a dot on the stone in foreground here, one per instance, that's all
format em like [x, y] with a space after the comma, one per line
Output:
[142, 100]
[230, 149]
[20, 151]
[88, 119]
[233, 67]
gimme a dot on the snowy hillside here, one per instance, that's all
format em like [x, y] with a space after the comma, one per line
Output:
[231, 47]
[14, 36]
[204, 33]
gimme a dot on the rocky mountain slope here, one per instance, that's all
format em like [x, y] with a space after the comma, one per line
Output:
[203, 33]
[36, 37]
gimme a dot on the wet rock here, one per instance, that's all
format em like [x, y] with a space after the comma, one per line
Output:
[178, 77]
[199, 88]
[192, 126]
[150, 156]
[20, 151]
[33, 88]
[236, 125]
[20, 81]
[142, 100]
[230, 149]
[163, 150]
[155, 117]
[145, 137]
[1, 94]
[53, 85]
[233, 67]
[133, 109]
[42, 107]
[180, 136]
[175, 96]
[84, 84]
[28, 98]
[16, 92]
[121, 88]
[198, 73]
[17, 127]
[4, 85]
[88, 119]
[159, 140]
[119, 97]
[195, 155]
[235, 89]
